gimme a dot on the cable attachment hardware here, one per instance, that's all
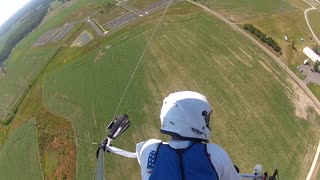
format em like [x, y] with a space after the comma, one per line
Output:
[118, 126]
[115, 129]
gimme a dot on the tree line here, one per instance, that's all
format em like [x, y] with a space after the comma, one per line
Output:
[23, 28]
[263, 37]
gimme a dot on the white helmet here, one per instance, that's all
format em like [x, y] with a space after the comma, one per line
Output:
[186, 115]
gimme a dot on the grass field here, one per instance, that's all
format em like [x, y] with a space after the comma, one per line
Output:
[23, 66]
[106, 16]
[19, 156]
[294, 29]
[315, 88]
[314, 17]
[275, 18]
[141, 4]
[243, 9]
[101, 96]
[55, 135]
[21, 72]
[254, 119]
[28, 62]
[3, 39]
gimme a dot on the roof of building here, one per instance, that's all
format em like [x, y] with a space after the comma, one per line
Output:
[311, 54]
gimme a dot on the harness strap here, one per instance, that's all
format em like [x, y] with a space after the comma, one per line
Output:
[153, 157]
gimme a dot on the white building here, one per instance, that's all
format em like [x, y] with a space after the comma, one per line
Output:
[312, 55]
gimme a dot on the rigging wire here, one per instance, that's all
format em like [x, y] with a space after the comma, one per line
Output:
[140, 60]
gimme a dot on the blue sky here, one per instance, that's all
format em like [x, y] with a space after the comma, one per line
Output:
[9, 7]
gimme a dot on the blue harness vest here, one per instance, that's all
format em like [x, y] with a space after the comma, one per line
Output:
[192, 163]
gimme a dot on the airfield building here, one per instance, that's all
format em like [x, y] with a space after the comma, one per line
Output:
[311, 54]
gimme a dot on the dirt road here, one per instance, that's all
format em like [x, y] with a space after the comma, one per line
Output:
[307, 20]
[235, 27]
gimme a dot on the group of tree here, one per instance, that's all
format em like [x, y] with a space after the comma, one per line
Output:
[316, 49]
[23, 26]
[316, 66]
[263, 37]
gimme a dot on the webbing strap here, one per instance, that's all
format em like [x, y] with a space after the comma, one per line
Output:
[121, 152]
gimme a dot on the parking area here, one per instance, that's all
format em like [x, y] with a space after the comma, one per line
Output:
[115, 23]
[62, 33]
[310, 75]
[45, 38]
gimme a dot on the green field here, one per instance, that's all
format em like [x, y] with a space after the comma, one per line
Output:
[107, 15]
[244, 9]
[314, 17]
[98, 91]
[274, 18]
[315, 88]
[294, 28]
[254, 117]
[140, 4]
[21, 72]
[191, 50]
[25, 63]
[23, 66]
[73, 12]
[19, 156]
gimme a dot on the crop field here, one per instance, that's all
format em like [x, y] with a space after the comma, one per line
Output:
[19, 156]
[253, 101]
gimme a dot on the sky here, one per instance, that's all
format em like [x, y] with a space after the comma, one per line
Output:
[9, 7]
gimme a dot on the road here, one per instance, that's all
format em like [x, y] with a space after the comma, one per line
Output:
[155, 6]
[293, 76]
[314, 165]
[98, 30]
[307, 20]
[132, 9]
